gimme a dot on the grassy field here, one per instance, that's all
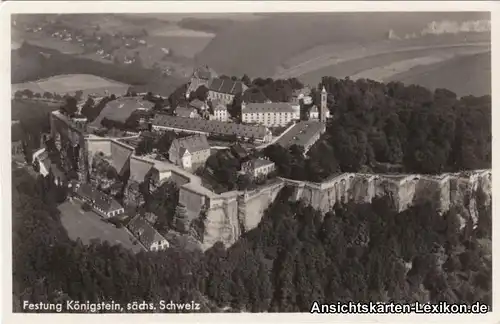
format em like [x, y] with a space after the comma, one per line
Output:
[88, 226]
[71, 83]
[463, 75]
[121, 109]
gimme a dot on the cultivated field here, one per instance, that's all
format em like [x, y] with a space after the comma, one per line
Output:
[383, 66]
[465, 75]
[88, 226]
[121, 109]
[70, 83]
[257, 48]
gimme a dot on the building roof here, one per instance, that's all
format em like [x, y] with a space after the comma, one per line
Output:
[204, 73]
[144, 232]
[218, 105]
[314, 109]
[184, 112]
[239, 150]
[192, 144]
[227, 86]
[100, 199]
[267, 107]
[211, 126]
[301, 134]
[258, 163]
[197, 103]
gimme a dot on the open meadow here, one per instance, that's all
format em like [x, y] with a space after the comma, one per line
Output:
[121, 109]
[69, 84]
[88, 226]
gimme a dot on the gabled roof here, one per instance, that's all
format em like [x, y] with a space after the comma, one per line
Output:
[184, 112]
[301, 134]
[144, 232]
[239, 150]
[211, 126]
[268, 107]
[100, 199]
[258, 163]
[197, 103]
[227, 86]
[193, 143]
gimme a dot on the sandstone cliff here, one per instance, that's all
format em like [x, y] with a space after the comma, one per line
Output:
[233, 213]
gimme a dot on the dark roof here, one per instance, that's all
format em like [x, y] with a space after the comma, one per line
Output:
[194, 143]
[239, 150]
[267, 107]
[227, 86]
[211, 126]
[144, 232]
[301, 134]
[100, 199]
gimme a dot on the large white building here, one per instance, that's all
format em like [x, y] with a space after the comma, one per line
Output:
[220, 111]
[270, 114]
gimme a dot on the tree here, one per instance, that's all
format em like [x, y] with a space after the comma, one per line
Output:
[36, 165]
[70, 106]
[201, 93]
[78, 95]
[246, 80]
[88, 107]
[28, 93]
[244, 181]
[181, 221]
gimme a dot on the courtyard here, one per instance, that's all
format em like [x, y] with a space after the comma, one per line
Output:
[89, 226]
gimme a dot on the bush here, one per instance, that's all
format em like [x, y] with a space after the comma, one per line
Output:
[86, 207]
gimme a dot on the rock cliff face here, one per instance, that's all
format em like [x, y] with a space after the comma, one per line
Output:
[233, 213]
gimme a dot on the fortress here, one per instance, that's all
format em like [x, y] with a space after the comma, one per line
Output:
[232, 213]
[228, 215]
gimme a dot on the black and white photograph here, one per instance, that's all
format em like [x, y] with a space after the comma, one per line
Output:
[251, 159]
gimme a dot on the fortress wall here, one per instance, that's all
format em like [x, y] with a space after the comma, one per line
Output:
[233, 213]
[256, 203]
[193, 201]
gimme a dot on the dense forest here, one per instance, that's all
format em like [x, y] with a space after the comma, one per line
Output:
[380, 127]
[358, 252]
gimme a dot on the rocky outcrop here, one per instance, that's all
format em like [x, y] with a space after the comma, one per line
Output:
[233, 213]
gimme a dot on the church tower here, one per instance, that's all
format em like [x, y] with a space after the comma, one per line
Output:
[323, 108]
